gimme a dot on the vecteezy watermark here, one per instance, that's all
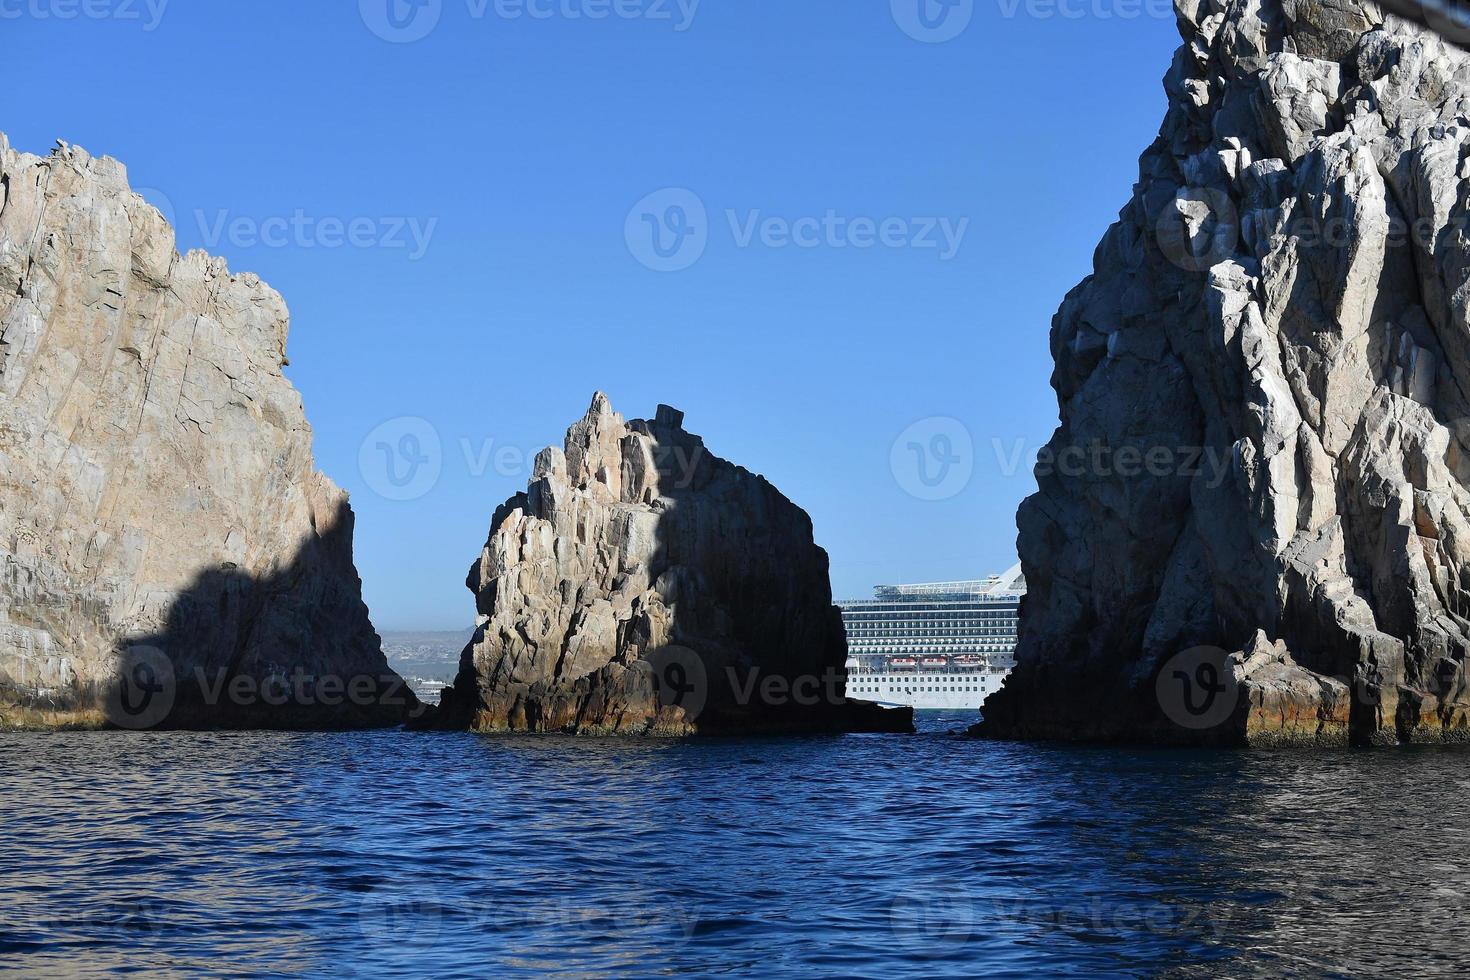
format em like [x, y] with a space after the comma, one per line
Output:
[934, 458]
[1087, 9]
[1200, 688]
[161, 203]
[933, 21]
[931, 918]
[1098, 459]
[669, 230]
[300, 229]
[1450, 19]
[147, 13]
[135, 918]
[938, 916]
[405, 21]
[147, 688]
[1201, 227]
[401, 21]
[143, 691]
[680, 679]
[404, 459]
[408, 918]
[833, 230]
[1198, 229]
[426, 911]
[752, 686]
[1197, 688]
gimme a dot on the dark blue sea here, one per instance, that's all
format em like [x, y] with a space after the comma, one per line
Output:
[395, 854]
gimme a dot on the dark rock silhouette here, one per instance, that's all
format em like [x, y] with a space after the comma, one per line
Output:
[248, 652]
[243, 652]
[642, 585]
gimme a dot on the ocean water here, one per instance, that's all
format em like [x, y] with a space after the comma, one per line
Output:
[400, 854]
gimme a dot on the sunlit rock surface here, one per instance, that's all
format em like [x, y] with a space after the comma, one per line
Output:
[1281, 317]
[642, 585]
[162, 527]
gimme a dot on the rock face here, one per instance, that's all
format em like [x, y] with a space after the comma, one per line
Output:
[162, 528]
[1252, 523]
[643, 585]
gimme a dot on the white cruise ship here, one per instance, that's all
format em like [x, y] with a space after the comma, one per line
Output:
[939, 646]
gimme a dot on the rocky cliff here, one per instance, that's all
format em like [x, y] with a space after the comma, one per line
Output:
[643, 585]
[169, 556]
[1252, 522]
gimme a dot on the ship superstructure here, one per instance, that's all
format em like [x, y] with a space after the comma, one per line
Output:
[935, 646]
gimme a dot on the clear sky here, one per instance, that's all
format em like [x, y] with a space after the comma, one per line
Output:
[866, 215]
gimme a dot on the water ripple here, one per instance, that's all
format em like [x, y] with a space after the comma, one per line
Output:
[398, 855]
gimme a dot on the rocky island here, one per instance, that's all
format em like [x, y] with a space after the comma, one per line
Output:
[1253, 525]
[169, 555]
[644, 586]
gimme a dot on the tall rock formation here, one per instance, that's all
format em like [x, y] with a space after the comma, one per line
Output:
[169, 556]
[1252, 523]
[643, 585]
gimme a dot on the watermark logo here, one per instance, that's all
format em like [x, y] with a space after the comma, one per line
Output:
[1197, 689]
[300, 229]
[1096, 459]
[161, 203]
[1198, 229]
[668, 230]
[679, 13]
[934, 458]
[221, 228]
[148, 13]
[932, 919]
[933, 21]
[143, 690]
[401, 459]
[404, 21]
[401, 21]
[832, 230]
[1093, 9]
[680, 678]
[1448, 18]
[406, 457]
[413, 918]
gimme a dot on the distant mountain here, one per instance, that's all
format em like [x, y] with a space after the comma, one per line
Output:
[426, 654]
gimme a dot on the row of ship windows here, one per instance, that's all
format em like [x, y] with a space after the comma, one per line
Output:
[982, 621]
[907, 690]
[870, 679]
[897, 606]
[908, 612]
[881, 642]
[921, 648]
[926, 621]
[928, 634]
[902, 628]
[927, 641]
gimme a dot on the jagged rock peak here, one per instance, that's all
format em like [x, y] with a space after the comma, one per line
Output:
[643, 585]
[163, 529]
[1266, 373]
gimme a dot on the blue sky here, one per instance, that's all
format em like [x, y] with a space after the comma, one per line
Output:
[864, 231]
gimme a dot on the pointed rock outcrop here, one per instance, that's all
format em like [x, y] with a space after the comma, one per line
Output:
[169, 555]
[643, 585]
[1253, 524]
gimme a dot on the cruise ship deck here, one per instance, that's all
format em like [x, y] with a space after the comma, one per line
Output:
[933, 646]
